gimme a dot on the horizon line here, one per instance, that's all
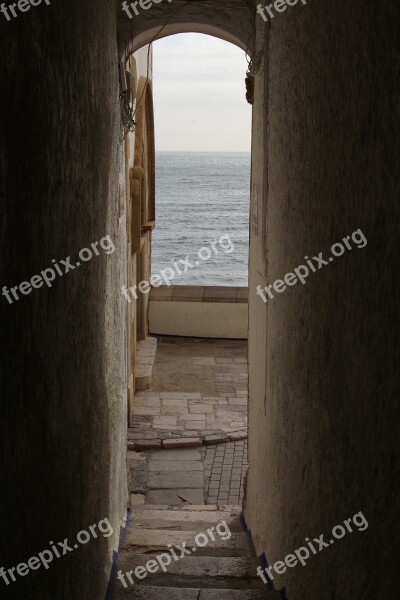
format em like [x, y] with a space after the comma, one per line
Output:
[216, 151]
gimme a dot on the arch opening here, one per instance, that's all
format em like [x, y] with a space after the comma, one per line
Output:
[232, 22]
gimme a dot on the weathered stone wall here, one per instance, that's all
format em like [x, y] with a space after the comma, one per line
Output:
[63, 406]
[322, 427]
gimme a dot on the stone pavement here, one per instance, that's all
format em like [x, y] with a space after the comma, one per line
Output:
[208, 404]
[199, 394]
[213, 475]
[167, 477]
[214, 367]
[225, 468]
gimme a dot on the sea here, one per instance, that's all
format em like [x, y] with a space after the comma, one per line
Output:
[202, 198]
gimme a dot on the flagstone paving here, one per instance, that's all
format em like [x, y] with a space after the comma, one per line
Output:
[213, 475]
[214, 367]
[199, 391]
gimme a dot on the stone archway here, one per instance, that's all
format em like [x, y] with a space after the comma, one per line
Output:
[232, 21]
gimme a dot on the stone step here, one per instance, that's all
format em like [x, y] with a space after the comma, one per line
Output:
[198, 566]
[192, 507]
[176, 497]
[176, 455]
[146, 351]
[161, 593]
[174, 480]
[172, 465]
[222, 552]
[219, 552]
[139, 540]
[193, 525]
[184, 520]
[205, 583]
[222, 569]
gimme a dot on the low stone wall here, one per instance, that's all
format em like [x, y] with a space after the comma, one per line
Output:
[199, 311]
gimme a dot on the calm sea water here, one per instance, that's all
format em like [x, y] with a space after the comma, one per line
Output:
[199, 198]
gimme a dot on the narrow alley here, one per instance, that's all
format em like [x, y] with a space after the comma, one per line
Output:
[187, 474]
[199, 241]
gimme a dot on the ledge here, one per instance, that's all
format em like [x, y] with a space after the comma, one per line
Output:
[192, 293]
[146, 351]
[213, 438]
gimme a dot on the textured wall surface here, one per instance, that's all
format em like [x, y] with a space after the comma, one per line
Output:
[232, 20]
[62, 395]
[322, 443]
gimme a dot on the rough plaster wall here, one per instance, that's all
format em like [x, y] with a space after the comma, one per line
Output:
[62, 395]
[326, 439]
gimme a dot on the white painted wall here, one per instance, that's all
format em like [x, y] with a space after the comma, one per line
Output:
[199, 319]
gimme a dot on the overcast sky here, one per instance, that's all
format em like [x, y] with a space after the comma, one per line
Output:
[199, 95]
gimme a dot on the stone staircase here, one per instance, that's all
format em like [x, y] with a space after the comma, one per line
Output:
[221, 569]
